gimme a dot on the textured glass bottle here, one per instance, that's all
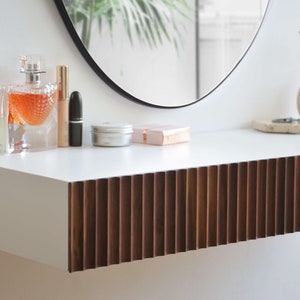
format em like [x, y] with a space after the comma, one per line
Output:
[31, 110]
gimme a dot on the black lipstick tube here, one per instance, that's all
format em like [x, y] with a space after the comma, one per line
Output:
[75, 119]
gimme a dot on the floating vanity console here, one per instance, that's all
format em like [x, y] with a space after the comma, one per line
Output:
[153, 201]
[127, 218]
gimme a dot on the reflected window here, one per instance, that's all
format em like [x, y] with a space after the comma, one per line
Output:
[225, 29]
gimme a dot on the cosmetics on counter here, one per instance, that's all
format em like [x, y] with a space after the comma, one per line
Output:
[36, 116]
[62, 76]
[69, 111]
[111, 134]
[75, 119]
[160, 135]
[31, 109]
[123, 134]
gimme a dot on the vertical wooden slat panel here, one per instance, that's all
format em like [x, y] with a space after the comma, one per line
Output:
[212, 198]
[222, 204]
[113, 220]
[76, 227]
[191, 210]
[242, 201]
[297, 194]
[280, 194]
[170, 212]
[251, 199]
[202, 207]
[159, 213]
[261, 199]
[125, 219]
[102, 222]
[232, 202]
[148, 215]
[133, 217]
[289, 195]
[89, 224]
[137, 214]
[181, 192]
[271, 187]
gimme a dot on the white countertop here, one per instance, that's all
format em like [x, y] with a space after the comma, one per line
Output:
[204, 149]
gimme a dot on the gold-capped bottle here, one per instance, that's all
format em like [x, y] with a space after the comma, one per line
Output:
[32, 120]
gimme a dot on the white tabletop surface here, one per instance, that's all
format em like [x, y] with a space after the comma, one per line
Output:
[204, 149]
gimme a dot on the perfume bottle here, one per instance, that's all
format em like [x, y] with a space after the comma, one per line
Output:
[32, 122]
[3, 121]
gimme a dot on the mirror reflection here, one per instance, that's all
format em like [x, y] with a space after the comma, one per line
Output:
[167, 53]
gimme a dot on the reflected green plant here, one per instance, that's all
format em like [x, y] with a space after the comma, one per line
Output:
[152, 21]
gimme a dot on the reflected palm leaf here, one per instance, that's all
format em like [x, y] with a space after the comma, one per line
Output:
[151, 22]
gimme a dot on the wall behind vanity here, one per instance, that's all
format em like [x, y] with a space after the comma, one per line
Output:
[264, 85]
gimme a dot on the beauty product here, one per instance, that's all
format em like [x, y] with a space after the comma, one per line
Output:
[140, 132]
[111, 134]
[160, 134]
[62, 75]
[3, 121]
[32, 118]
[75, 119]
[168, 135]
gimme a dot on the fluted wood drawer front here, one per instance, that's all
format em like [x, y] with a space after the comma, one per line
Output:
[129, 218]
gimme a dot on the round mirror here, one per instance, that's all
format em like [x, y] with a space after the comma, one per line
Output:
[165, 53]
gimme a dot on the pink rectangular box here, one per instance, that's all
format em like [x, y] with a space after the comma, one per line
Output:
[160, 134]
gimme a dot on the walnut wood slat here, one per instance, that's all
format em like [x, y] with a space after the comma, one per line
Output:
[289, 195]
[232, 192]
[180, 210]
[101, 222]
[113, 220]
[202, 208]
[89, 224]
[191, 209]
[261, 204]
[222, 212]
[159, 214]
[76, 227]
[297, 194]
[242, 182]
[212, 198]
[148, 215]
[270, 197]
[125, 218]
[122, 219]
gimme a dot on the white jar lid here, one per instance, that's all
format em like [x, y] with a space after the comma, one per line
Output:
[108, 127]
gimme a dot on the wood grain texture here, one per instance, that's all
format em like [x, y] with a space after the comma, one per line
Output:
[261, 199]
[123, 219]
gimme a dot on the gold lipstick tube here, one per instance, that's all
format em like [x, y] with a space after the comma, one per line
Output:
[62, 74]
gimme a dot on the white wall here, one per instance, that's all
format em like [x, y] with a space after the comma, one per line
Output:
[266, 269]
[264, 85]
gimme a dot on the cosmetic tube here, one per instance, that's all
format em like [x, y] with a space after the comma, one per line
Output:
[62, 73]
[75, 119]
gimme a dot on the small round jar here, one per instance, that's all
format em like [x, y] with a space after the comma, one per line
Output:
[111, 134]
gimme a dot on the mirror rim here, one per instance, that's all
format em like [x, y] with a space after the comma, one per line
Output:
[95, 67]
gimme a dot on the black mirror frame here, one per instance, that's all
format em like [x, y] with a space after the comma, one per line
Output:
[76, 39]
[84, 52]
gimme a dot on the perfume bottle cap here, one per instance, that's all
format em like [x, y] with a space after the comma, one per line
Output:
[32, 66]
[75, 107]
